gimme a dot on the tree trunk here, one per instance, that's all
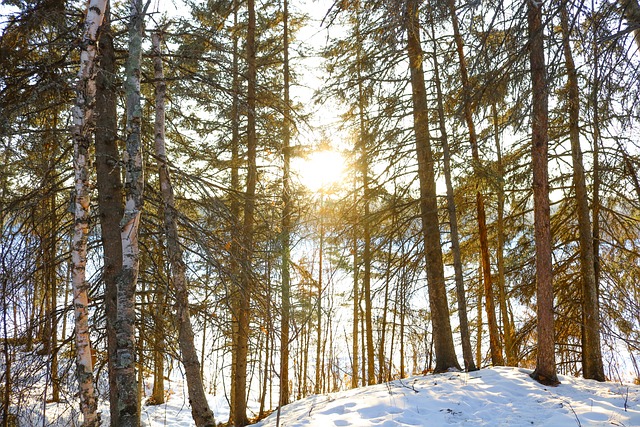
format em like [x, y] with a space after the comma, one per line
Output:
[461, 298]
[286, 220]
[592, 367]
[81, 132]
[443, 339]
[246, 286]
[545, 371]
[316, 388]
[356, 303]
[109, 186]
[494, 336]
[202, 415]
[509, 338]
[128, 398]
[235, 209]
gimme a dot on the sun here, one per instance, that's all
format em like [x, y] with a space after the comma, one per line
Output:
[321, 170]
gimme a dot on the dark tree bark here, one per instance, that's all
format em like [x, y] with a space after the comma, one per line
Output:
[109, 186]
[545, 371]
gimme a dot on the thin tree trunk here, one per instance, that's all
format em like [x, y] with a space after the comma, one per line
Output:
[465, 335]
[356, 305]
[316, 387]
[109, 186]
[592, 367]
[443, 339]
[81, 132]
[128, 398]
[494, 336]
[365, 220]
[246, 286]
[596, 152]
[510, 349]
[235, 208]
[202, 415]
[479, 320]
[286, 221]
[545, 371]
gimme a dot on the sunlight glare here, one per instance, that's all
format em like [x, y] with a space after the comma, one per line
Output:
[321, 170]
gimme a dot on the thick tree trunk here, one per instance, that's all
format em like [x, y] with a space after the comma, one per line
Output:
[109, 186]
[494, 336]
[461, 298]
[81, 132]
[202, 415]
[443, 339]
[592, 367]
[545, 371]
[128, 398]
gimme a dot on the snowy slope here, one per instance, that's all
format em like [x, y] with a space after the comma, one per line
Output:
[490, 397]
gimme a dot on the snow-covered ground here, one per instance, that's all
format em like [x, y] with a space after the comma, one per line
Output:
[489, 397]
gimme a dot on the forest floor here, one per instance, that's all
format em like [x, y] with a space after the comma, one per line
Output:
[498, 396]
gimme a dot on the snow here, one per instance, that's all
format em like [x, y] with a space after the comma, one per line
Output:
[499, 396]
[489, 397]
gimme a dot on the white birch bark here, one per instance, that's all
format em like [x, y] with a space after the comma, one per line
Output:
[128, 404]
[81, 132]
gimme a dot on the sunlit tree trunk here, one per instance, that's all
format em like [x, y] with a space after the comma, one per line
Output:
[545, 371]
[109, 186]
[128, 398]
[442, 336]
[202, 415]
[592, 367]
[81, 133]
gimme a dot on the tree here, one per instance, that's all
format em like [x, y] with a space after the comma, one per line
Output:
[109, 187]
[545, 371]
[494, 339]
[81, 132]
[128, 405]
[591, 349]
[286, 218]
[202, 415]
[443, 339]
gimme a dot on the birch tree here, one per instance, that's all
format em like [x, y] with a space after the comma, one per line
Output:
[128, 405]
[81, 133]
